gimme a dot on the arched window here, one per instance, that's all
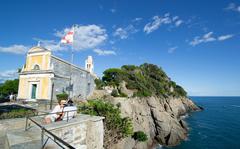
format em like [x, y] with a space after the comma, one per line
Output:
[36, 67]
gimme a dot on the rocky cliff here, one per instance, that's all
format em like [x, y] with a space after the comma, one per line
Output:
[159, 118]
[151, 99]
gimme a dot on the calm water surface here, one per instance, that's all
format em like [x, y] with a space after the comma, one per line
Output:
[217, 127]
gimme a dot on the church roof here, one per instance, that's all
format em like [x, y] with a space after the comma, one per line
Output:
[37, 49]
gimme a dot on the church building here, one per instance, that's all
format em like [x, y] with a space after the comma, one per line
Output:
[44, 76]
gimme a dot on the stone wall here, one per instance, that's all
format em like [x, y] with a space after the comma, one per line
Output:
[87, 134]
[82, 132]
[81, 80]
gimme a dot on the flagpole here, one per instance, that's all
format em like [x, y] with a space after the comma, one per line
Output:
[68, 39]
[71, 85]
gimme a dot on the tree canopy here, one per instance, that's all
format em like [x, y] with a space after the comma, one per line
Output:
[146, 79]
[8, 87]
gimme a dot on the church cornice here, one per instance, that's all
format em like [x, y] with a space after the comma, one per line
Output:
[37, 72]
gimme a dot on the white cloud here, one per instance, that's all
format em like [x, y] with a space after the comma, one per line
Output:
[123, 33]
[155, 24]
[157, 21]
[233, 7]
[225, 37]
[16, 49]
[8, 75]
[113, 10]
[112, 42]
[104, 52]
[85, 37]
[137, 19]
[175, 18]
[178, 22]
[100, 7]
[51, 45]
[205, 38]
[208, 37]
[172, 49]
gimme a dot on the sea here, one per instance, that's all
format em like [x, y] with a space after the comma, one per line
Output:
[216, 127]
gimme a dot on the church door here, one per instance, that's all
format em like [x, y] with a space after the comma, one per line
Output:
[34, 90]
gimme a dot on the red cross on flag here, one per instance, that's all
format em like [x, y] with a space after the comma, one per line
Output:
[68, 38]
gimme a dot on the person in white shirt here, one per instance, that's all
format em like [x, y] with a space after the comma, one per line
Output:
[56, 114]
[71, 114]
[70, 111]
[11, 97]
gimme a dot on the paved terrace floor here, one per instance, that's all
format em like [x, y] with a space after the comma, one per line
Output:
[21, 139]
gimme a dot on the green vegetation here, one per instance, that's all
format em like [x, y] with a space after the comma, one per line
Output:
[17, 114]
[140, 136]
[8, 87]
[146, 80]
[99, 84]
[62, 96]
[115, 93]
[115, 126]
[118, 93]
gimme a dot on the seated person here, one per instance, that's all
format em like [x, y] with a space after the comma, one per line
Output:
[56, 114]
[73, 111]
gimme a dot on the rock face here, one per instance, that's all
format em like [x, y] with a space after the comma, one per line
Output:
[159, 118]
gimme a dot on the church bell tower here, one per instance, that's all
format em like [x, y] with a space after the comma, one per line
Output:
[89, 64]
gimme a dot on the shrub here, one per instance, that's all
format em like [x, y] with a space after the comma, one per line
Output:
[118, 105]
[18, 114]
[115, 93]
[62, 96]
[115, 126]
[118, 93]
[123, 94]
[113, 76]
[99, 84]
[142, 94]
[180, 91]
[140, 136]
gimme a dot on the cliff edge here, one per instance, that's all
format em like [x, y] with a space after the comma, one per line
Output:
[159, 118]
[153, 102]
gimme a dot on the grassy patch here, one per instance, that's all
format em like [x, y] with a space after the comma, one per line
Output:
[19, 113]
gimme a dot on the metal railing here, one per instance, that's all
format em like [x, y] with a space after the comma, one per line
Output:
[44, 132]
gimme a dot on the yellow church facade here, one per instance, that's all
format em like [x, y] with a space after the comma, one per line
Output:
[44, 76]
[35, 77]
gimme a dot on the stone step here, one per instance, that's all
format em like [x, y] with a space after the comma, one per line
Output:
[21, 139]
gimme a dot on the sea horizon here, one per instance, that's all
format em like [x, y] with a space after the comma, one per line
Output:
[213, 96]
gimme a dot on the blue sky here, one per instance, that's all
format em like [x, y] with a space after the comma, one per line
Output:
[195, 42]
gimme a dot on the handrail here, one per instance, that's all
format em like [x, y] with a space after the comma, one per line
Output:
[59, 139]
[43, 130]
[50, 133]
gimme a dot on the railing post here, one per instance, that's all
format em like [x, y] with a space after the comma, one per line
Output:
[67, 115]
[26, 123]
[42, 137]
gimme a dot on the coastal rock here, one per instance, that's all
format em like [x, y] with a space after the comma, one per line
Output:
[123, 89]
[159, 118]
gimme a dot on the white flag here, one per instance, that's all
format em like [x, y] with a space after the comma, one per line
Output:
[68, 38]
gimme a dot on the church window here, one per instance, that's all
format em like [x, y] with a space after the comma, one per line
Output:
[36, 67]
